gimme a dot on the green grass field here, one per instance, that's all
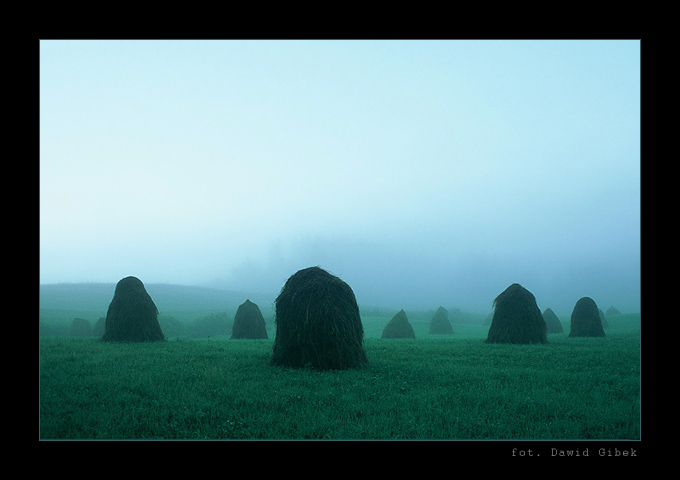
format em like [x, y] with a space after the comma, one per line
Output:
[434, 387]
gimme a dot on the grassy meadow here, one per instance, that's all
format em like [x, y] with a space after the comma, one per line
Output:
[434, 387]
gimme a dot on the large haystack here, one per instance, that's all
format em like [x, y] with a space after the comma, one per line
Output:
[318, 323]
[132, 315]
[516, 318]
[398, 327]
[80, 327]
[552, 323]
[440, 323]
[585, 319]
[249, 322]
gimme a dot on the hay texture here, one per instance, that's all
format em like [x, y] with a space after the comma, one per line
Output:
[552, 323]
[440, 323]
[132, 315]
[249, 322]
[318, 323]
[516, 318]
[398, 327]
[80, 327]
[585, 319]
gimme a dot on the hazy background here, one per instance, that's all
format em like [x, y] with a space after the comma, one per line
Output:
[423, 173]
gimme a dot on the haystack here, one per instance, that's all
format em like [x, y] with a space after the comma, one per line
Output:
[172, 327]
[585, 319]
[318, 323]
[398, 327]
[516, 318]
[487, 320]
[440, 323]
[249, 322]
[603, 319]
[80, 327]
[99, 327]
[552, 323]
[612, 311]
[132, 315]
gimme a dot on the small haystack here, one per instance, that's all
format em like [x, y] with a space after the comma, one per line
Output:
[488, 319]
[99, 327]
[174, 328]
[398, 327]
[585, 319]
[612, 311]
[249, 322]
[552, 323]
[603, 319]
[318, 324]
[516, 318]
[80, 327]
[132, 315]
[440, 323]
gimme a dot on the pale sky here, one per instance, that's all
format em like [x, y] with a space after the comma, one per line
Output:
[423, 173]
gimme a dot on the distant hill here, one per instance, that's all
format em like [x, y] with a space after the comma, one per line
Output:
[168, 298]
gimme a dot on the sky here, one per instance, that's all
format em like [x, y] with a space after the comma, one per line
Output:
[421, 172]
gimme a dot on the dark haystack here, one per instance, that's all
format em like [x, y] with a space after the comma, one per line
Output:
[612, 311]
[249, 322]
[80, 327]
[318, 323]
[552, 323]
[398, 327]
[516, 318]
[440, 323]
[585, 319]
[132, 315]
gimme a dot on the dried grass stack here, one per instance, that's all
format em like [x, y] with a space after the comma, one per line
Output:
[585, 319]
[552, 323]
[398, 327]
[99, 327]
[440, 323]
[80, 327]
[603, 318]
[318, 323]
[132, 315]
[516, 318]
[249, 322]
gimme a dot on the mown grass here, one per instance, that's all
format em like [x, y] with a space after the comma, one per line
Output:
[448, 387]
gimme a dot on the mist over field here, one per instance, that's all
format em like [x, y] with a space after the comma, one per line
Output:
[423, 173]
